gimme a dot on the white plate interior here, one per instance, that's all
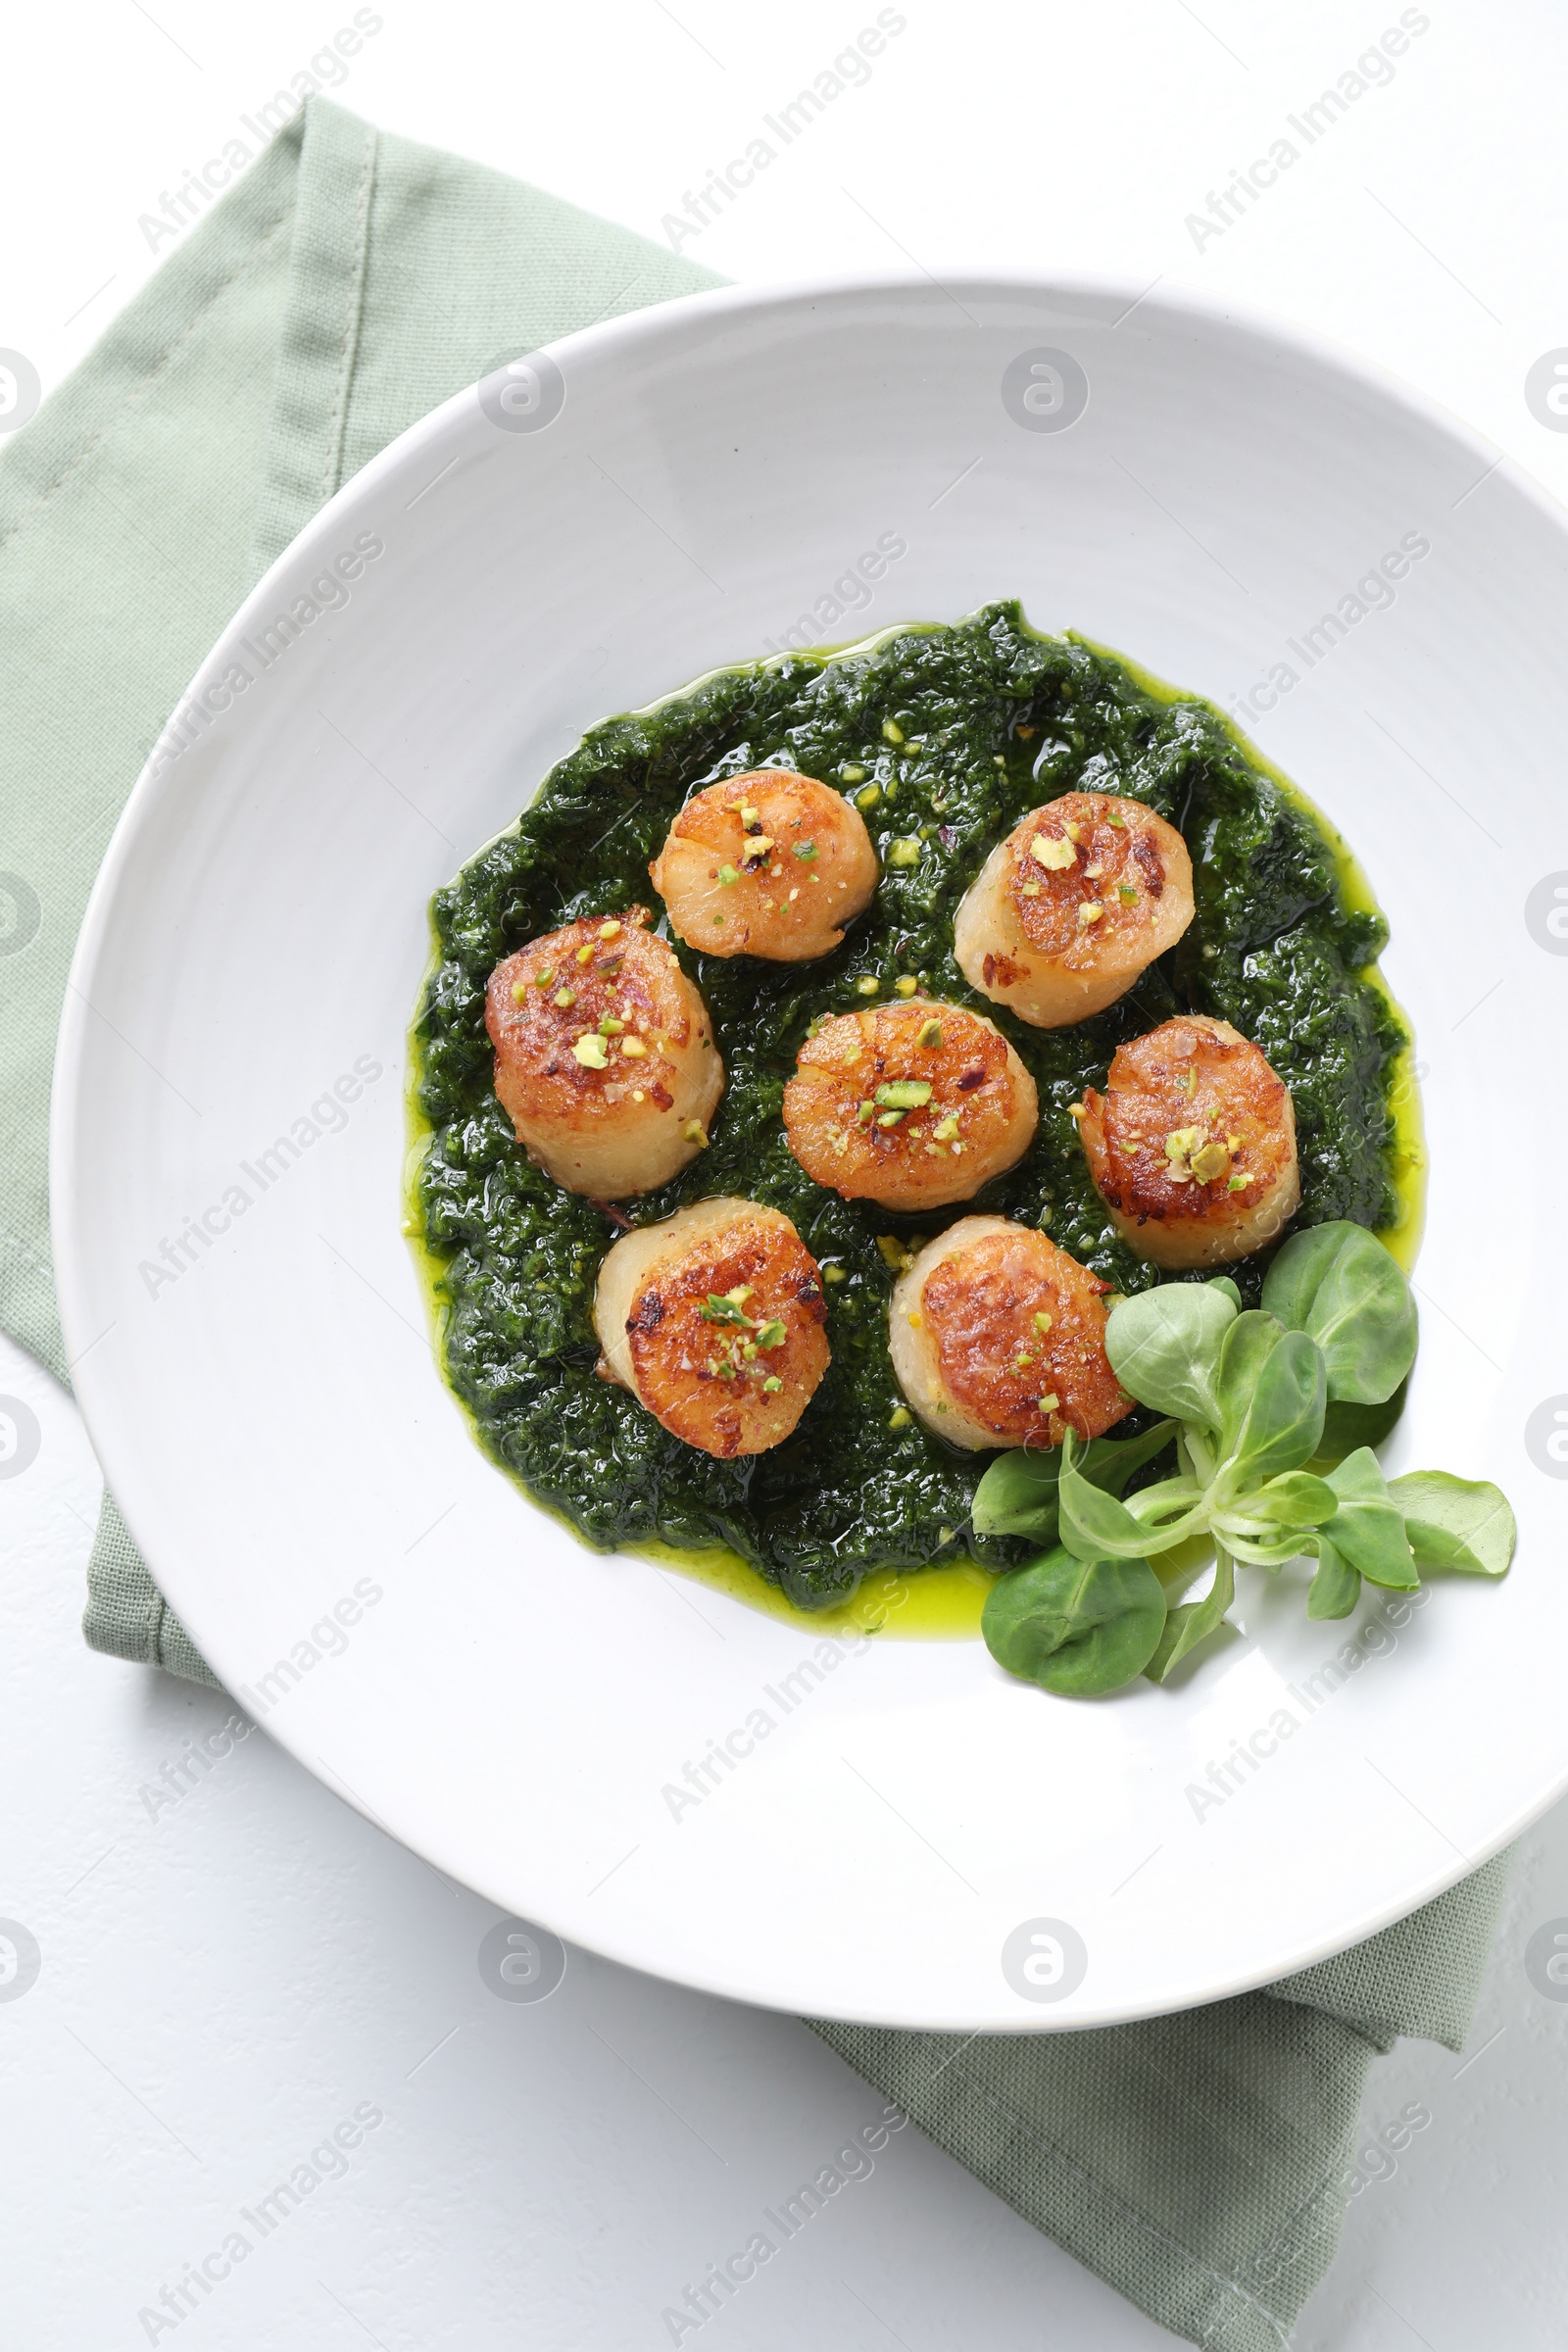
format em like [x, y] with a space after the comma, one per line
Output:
[651, 1769]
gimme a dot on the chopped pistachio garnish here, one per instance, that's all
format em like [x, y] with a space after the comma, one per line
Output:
[930, 1035]
[1053, 855]
[804, 850]
[1095, 871]
[867, 986]
[947, 1128]
[894, 1253]
[1209, 955]
[609, 930]
[834, 1274]
[890, 1118]
[716, 1310]
[1233, 1143]
[565, 997]
[1089, 912]
[772, 1335]
[852, 774]
[900, 1417]
[1115, 817]
[906, 984]
[519, 992]
[772, 1383]
[1212, 1161]
[1042, 1322]
[870, 798]
[1029, 890]
[757, 848]
[694, 1132]
[609, 1026]
[1049, 1403]
[727, 875]
[748, 815]
[590, 1052]
[1073, 830]
[1126, 892]
[1238, 1184]
[718, 922]
[852, 1055]
[739, 1295]
[904, 1094]
[892, 732]
[905, 850]
[634, 1047]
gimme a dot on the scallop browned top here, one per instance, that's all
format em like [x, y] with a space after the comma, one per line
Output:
[1018, 1332]
[914, 1105]
[1092, 863]
[770, 863]
[604, 1055]
[1194, 1128]
[726, 1339]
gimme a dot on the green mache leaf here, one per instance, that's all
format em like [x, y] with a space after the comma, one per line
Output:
[1076, 1626]
[1094, 1523]
[1455, 1521]
[1193, 1621]
[1164, 1346]
[1017, 1496]
[1367, 1528]
[1337, 1586]
[1348, 1426]
[1339, 1284]
[1273, 1393]
[1295, 1498]
[1223, 1282]
[1248, 1344]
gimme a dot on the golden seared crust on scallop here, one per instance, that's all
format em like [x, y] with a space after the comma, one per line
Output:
[914, 1105]
[1068, 911]
[604, 1055]
[1192, 1145]
[997, 1338]
[714, 1319]
[769, 863]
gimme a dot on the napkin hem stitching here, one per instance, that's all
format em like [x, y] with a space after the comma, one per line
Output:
[332, 466]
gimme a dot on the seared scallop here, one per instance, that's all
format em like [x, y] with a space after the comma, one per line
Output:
[999, 1338]
[1192, 1145]
[604, 1055]
[1067, 912]
[714, 1319]
[914, 1105]
[769, 863]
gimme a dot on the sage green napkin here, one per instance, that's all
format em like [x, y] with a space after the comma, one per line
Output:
[341, 289]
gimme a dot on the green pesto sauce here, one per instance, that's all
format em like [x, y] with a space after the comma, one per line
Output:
[994, 720]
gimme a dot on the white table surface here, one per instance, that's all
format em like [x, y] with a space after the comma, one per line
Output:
[228, 1975]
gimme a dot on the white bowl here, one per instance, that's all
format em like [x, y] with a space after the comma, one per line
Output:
[264, 1394]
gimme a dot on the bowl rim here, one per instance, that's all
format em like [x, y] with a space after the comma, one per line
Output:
[629, 335]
